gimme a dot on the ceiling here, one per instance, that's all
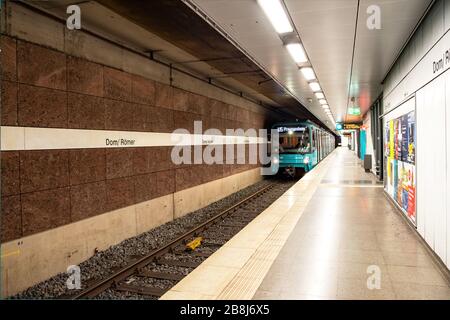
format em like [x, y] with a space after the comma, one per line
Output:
[178, 36]
[234, 44]
[349, 59]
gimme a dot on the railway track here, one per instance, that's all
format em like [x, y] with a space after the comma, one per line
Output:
[152, 275]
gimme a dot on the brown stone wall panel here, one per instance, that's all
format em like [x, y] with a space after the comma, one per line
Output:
[42, 107]
[159, 159]
[119, 162]
[184, 178]
[163, 95]
[118, 115]
[231, 112]
[86, 112]
[198, 172]
[10, 173]
[87, 200]
[165, 182]
[155, 157]
[9, 103]
[207, 173]
[243, 115]
[43, 169]
[8, 60]
[145, 187]
[141, 160]
[142, 90]
[87, 165]
[84, 76]
[218, 123]
[216, 172]
[227, 170]
[119, 193]
[161, 120]
[141, 117]
[206, 123]
[11, 218]
[41, 66]
[219, 109]
[45, 210]
[180, 100]
[198, 104]
[185, 120]
[117, 84]
[168, 162]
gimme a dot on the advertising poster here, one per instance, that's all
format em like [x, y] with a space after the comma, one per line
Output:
[404, 138]
[400, 159]
[411, 158]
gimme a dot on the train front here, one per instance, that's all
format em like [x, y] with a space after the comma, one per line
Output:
[294, 154]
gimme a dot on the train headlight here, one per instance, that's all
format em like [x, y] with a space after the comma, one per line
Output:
[275, 160]
[306, 160]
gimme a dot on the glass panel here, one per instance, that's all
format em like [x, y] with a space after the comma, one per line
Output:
[295, 142]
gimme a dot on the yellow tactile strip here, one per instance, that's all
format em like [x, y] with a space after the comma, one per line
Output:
[235, 271]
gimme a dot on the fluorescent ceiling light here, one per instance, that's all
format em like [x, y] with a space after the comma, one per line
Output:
[308, 73]
[319, 95]
[277, 16]
[323, 101]
[315, 86]
[297, 52]
[325, 106]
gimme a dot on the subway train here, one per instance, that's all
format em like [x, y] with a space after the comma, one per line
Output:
[302, 145]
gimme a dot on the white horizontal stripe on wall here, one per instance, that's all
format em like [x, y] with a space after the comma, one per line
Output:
[30, 138]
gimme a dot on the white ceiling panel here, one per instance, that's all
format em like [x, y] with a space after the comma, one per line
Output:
[327, 30]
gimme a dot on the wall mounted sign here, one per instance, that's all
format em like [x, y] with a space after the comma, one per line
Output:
[400, 150]
[354, 111]
[292, 129]
[351, 126]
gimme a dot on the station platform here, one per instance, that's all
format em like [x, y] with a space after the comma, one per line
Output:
[333, 235]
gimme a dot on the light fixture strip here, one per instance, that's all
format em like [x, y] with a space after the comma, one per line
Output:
[277, 16]
[308, 73]
[315, 86]
[297, 52]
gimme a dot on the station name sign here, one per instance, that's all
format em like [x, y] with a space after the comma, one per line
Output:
[442, 63]
[119, 142]
[351, 126]
[292, 129]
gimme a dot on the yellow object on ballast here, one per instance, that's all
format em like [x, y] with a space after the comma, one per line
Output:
[194, 243]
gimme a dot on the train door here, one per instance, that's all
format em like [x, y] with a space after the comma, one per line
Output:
[319, 146]
[313, 146]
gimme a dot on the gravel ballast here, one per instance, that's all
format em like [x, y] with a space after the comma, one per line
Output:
[104, 263]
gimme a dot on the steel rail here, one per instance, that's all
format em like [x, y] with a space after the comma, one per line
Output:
[134, 267]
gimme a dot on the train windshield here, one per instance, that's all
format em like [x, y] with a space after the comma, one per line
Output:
[295, 140]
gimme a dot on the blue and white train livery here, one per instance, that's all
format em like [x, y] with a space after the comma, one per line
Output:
[302, 145]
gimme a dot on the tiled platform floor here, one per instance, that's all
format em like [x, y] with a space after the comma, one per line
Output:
[347, 226]
[317, 241]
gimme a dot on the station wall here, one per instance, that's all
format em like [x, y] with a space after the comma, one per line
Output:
[421, 78]
[94, 197]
